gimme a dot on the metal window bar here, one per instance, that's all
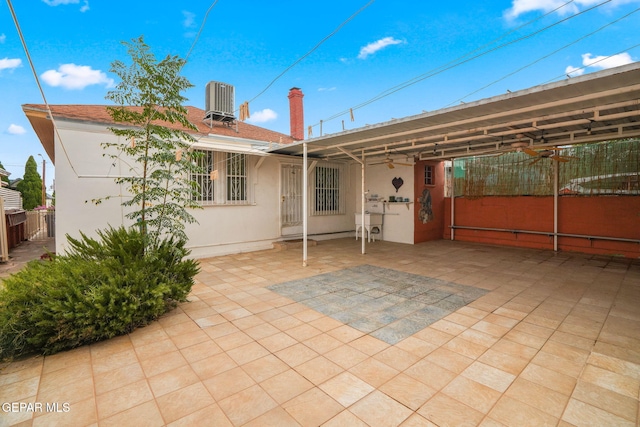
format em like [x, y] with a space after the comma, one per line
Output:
[207, 186]
[329, 190]
[236, 173]
[292, 195]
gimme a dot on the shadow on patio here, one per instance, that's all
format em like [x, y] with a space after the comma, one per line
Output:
[441, 333]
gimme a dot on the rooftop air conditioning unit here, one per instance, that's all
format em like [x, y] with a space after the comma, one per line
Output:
[219, 101]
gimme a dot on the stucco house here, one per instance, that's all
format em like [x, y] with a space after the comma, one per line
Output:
[255, 201]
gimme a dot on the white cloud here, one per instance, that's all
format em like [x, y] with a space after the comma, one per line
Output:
[3, 38]
[16, 129]
[263, 116]
[189, 19]
[59, 2]
[601, 62]
[72, 76]
[373, 47]
[85, 6]
[7, 63]
[520, 7]
[326, 89]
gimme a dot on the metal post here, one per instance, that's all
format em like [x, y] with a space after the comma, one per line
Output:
[304, 204]
[555, 206]
[44, 185]
[363, 204]
[453, 198]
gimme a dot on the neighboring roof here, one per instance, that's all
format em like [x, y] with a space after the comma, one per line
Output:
[39, 117]
[595, 107]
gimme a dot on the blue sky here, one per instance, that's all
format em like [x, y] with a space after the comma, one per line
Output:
[454, 51]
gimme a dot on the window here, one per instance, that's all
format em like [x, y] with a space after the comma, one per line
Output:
[329, 192]
[236, 177]
[429, 178]
[231, 187]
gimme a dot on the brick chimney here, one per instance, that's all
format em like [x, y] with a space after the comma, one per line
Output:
[296, 113]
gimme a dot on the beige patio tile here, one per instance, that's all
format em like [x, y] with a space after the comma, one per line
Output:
[162, 363]
[296, 354]
[380, 410]
[261, 331]
[200, 351]
[114, 361]
[247, 353]
[345, 356]
[155, 349]
[325, 323]
[471, 393]
[184, 401]
[417, 420]
[548, 378]
[345, 419]
[538, 396]
[277, 342]
[408, 391]
[449, 360]
[443, 410]
[582, 414]
[286, 385]
[227, 383]
[431, 374]
[318, 370]
[345, 333]
[512, 412]
[313, 407]
[369, 345]
[504, 361]
[396, 358]
[172, 380]
[69, 392]
[607, 400]
[447, 327]
[19, 390]
[321, 343]
[65, 359]
[346, 388]
[416, 346]
[624, 385]
[264, 367]
[373, 371]
[213, 365]
[233, 340]
[494, 378]
[275, 417]
[82, 413]
[123, 398]
[146, 414]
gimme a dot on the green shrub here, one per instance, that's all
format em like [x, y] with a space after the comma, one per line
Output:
[98, 290]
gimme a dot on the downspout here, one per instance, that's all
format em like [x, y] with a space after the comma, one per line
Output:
[304, 204]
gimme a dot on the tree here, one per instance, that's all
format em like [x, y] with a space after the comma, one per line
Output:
[31, 185]
[155, 124]
[4, 178]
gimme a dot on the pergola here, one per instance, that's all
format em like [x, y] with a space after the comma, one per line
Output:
[596, 107]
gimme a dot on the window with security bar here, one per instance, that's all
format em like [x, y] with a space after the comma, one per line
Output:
[329, 192]
[225, 178]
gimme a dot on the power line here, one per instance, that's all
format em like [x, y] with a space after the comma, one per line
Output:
[458, 62]
[338, 28]
[547, 56]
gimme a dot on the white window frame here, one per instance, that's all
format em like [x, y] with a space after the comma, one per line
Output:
[220, 191]
[328, 188]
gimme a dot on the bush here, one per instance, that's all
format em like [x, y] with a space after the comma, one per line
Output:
[100, 289]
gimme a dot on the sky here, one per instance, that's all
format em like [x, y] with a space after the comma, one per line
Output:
[381, 59]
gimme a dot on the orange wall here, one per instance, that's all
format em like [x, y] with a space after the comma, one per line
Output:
[428, 227]
[610, 216]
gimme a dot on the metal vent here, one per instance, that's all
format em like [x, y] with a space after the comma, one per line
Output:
[219, 101]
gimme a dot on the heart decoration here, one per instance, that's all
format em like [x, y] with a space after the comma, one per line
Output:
[397, 183]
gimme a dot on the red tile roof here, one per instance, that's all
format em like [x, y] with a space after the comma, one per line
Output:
[99, 114]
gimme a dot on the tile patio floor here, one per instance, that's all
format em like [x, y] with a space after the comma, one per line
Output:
[550, 340]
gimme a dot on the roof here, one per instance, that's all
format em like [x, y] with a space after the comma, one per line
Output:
[38, 115]
[595, 107]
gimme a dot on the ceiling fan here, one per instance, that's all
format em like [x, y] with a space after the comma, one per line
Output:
[390, 162]
[546, 153]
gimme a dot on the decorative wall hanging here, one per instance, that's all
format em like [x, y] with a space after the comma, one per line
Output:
[426, 211]
[397, 183]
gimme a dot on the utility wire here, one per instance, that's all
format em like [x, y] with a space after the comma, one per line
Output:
[35, 75]
[457, 63]
[547, 56]
[313, 49]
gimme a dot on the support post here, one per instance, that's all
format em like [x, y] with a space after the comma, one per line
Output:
[363, 201]
[305, 186]
[556, 169]
[453, 198]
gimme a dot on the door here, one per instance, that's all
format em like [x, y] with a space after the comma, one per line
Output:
[291, 200]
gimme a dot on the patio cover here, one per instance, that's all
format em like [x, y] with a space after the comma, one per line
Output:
[595, 107]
